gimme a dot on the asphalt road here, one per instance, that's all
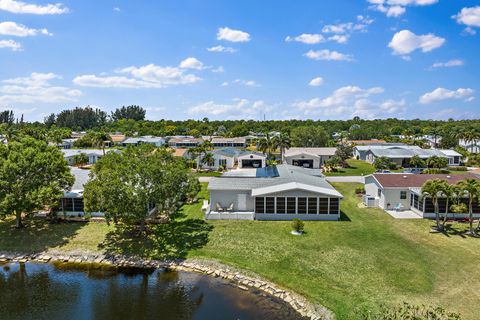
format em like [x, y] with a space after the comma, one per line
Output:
[358, 179]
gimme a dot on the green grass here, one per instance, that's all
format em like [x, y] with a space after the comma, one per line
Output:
[361, 262]
[357, 168]
[208, 174]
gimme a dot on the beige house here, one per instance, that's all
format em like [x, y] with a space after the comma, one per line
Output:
[312, 158]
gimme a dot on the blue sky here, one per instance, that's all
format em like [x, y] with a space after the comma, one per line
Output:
[329, 59]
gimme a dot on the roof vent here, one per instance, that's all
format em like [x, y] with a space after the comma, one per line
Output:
[448, 177]
[404, 177]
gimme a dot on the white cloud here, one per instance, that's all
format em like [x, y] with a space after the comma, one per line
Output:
[35, 88]
[222, 49]
[117, 9]
[246, 83]
[349, 101]
[237, 109]
[307, 38]
[448, 64]
[22, 7]
[469, 17]
[349, 27]
[440, 94]
[339, 38]
[328, 55]
[396, 8]
[232, 35]
[220, 69]
[10, 44]
[148, 76]
[9, 28]
[470, 31]
[316, 82]
[192, 63]
[405, 42]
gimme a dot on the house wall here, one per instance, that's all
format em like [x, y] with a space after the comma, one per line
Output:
[372, 187]
[216, 164]
[392, 197]
[225, 198]
[291, 159]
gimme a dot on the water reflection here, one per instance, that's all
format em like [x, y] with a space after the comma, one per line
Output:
[43, 291]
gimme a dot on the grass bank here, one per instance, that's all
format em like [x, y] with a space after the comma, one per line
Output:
[364, 260]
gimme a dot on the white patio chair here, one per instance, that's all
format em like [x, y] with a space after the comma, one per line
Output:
[219, 208]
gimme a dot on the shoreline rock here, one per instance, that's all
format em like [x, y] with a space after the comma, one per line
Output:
[206, 267]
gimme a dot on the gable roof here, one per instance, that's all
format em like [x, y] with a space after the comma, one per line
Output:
[394, 180]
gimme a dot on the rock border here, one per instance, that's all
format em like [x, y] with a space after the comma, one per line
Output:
[209, 268]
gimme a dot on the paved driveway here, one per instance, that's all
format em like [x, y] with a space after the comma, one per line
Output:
[359, 179]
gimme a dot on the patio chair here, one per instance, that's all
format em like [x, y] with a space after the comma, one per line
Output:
[230, 208]
[219, 208]
[398, 207]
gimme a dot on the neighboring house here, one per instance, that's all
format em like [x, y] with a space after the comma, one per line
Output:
[402, 156]
[367, 142]
[403, 192]
[220, 142]
[93, 154]
[312, 158]
[283, 192]
[71, 204]
[183, 153]
[251, 159]
[470, 146]
[117, 138]
[184, 142]
[156, 141]
[78, 134]
[66, 143]
[432, 141]
[360, 152]
[223, 158]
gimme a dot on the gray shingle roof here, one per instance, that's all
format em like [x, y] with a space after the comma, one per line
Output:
[406, 153]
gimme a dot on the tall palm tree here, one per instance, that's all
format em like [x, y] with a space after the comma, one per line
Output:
[450, 193]
[266, 145]
[99, 139]
[471, 187]
[283, 143]
[208, 159]
[433, 189]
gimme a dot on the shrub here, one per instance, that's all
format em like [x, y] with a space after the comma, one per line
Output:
[298, 225]
[408, 311]
[458, 168]
[360, 190]
[435, 171]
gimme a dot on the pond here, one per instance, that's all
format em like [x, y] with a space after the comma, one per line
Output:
[46, 291]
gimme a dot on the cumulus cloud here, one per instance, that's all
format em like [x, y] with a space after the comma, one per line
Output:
[469, 17]
[307, 38]
[221, 49]
[349, 101]
[246, 83]
[237, 109]
[316, 82]
[328, 55]
[148, 76]
[36, 87]
[9, 28]
[439, 94]
[396, 8]
[448, 64]
[232, 35]
[22, 7]
[10, 44]
[405, 42]
[192, 63]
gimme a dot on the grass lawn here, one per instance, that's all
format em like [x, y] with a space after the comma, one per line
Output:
[208, 174]
[357, 168]
[361, 262]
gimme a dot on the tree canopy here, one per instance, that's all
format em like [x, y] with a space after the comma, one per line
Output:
[309, 136]
[33, 175]
[133, 112]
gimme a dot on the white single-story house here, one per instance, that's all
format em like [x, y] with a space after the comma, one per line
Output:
[360, 152]
[66, 143]
[223, 158]
[391, 191]
[402, 156]
[283, 192]
[251, 159]
[470, 146]
[221, 142]
[184, 142]
[135, 141]
[312, 158]
[93, 154]
[71, 204]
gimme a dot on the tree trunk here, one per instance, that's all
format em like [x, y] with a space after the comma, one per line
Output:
[437, 214]
[142, 227]
[470, 215]
[446, 215]
[18, 220]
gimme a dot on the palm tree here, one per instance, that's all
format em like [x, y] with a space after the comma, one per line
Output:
[99, 139]
[450, 193]
[208, 159]
[417, 162]
[266, 145]
[283, 143]
[472, 188]
[433, 189]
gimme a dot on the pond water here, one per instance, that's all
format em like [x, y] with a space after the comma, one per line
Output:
[45, 291]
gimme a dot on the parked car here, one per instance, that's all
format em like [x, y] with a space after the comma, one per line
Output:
[383, 171]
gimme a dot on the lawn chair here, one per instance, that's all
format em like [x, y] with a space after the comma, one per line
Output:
[230, 208]
[398, 207]
[219, 208]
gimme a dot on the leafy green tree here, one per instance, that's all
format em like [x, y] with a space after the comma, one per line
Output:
[7, 117]
[309, 136]
[344, 152]
[471, 188]
[382, 163]
[133, 112]
[139, 183]
[416, 162]
[437, 162]
[81, 118]
[33, 175]
[80, 159]
[332, 163]
[434, 189]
